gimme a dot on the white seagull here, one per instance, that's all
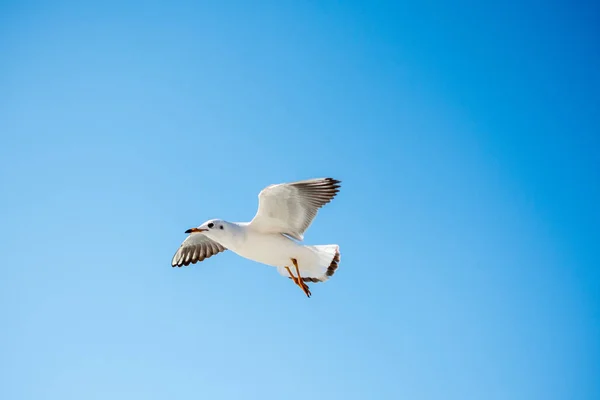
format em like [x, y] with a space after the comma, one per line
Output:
[285, 211]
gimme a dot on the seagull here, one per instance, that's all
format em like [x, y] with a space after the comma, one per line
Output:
[285, 211]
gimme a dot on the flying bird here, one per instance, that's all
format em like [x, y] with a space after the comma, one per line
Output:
[285, 211]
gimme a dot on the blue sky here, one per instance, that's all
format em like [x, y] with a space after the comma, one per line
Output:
[466, 137]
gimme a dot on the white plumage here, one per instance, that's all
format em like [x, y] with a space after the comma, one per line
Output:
[284, 213]
[291, 207]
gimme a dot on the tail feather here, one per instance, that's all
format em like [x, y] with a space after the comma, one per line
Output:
[334, 264]
[321, 267]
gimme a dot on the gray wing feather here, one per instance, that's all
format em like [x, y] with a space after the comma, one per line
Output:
[195, 248]
[290, 208]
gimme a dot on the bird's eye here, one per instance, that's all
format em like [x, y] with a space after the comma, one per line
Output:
[211, 225]
[221, 226]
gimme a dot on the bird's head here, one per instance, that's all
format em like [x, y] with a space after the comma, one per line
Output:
[212, 228]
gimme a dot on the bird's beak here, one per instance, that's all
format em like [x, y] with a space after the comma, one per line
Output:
[194, 230]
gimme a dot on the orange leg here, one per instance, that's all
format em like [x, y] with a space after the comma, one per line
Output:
[292, 275]
[300, 282]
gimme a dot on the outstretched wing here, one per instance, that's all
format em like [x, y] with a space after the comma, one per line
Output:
[290, 208]
[196, 247]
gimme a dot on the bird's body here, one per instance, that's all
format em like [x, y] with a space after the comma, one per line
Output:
[285, 212]
[267, 248]
[276, 250]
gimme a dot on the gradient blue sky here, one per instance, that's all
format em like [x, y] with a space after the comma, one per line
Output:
[467, 139]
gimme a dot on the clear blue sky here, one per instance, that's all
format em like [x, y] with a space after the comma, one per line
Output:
[467, 139]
